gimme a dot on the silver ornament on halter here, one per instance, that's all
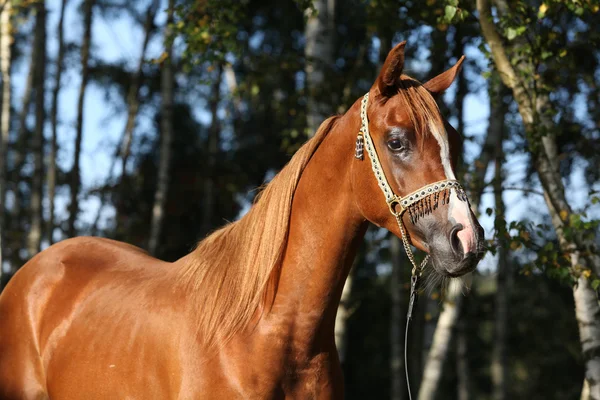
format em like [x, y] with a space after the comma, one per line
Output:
[360, 147]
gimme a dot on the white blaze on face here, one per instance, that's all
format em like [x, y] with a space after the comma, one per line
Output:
[458, 211]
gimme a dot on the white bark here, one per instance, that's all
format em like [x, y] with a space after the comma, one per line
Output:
[5, 64]
[343, 313]
[462, 363]
[232, 86]
[318, 52]
[438, 352]
[588, 315]
[166, 124]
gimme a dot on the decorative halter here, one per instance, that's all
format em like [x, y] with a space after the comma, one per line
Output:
[418, 203]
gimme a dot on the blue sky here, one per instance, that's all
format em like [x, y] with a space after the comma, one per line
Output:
[120, 39]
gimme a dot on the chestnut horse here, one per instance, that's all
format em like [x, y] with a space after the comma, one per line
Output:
[248, 314]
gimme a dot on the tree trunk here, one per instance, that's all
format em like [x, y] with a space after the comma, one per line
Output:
[582, 252]
[214, 133]
[5, 64]
[133, 99]
[318, 52]
[432, 373]
[342, 315]
[20, 145]
[75, 174]
[25, 105]
[397, 378]
[54, 121]
[462, 361]
[34, 236]
[499, 368]
[166, 124]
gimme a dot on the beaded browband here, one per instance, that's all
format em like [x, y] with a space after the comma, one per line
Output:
[418, 203]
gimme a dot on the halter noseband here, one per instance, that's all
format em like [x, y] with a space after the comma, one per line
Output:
[417, 203]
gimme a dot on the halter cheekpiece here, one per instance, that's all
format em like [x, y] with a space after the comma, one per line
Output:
[418, 204]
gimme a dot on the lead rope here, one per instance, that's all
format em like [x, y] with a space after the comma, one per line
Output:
[414, 280]
[398, 205]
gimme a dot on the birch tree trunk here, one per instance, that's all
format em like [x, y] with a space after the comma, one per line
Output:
[398, 387]
[342, 315]
[583, 255]
[5, 64]
[34, 236]
[432, 373]
[166, 124]
[462, 364]
[54, 122]
[318, 52]
[75, 171]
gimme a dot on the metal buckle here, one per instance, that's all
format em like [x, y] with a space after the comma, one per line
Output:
[393, 204]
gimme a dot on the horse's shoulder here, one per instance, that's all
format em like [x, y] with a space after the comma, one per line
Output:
[94, 252]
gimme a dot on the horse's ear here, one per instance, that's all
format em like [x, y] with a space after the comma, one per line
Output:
[392, 69]
[443, 81]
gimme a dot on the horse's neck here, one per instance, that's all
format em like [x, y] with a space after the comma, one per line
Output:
[326, 228]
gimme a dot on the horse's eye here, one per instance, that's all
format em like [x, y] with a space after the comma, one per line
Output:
[395, 144]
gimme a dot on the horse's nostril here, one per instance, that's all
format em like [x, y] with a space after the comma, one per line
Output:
[455, 241]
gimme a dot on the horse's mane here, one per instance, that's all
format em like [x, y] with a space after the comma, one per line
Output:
[229, 271]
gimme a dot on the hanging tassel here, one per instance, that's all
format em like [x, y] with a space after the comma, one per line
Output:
[360, 147]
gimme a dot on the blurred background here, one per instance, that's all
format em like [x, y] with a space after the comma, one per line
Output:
[155, 122]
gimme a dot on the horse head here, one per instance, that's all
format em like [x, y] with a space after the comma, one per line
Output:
[413, 152]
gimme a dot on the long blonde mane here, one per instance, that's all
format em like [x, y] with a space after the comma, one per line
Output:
[231, 269]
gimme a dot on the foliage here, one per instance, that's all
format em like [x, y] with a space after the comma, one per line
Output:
[209, 28]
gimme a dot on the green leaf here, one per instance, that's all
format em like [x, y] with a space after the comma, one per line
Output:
[449, 12]
[489, 211]
[596, 284]
[512, 33]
